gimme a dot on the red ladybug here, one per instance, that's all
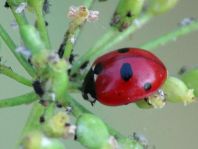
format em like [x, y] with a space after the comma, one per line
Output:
[124, 76]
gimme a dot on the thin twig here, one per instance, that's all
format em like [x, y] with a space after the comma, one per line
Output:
[18, 100]
[17, 77]
[12, 46]
[171, 36]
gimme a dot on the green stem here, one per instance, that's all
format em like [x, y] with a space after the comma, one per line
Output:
[108, 40]
[40, 22]
[67, 45]
[171, 36]
[33, 118]
[33, 121]
[12, 46]
[20, 17]
[10, 73]
[77, 109]
[19, 100]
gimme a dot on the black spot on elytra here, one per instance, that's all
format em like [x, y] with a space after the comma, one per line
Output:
[88, 86]
[123, 50]
[129, 14]
[98, 68]
[147, 86]
[126, 71]
[38, 88]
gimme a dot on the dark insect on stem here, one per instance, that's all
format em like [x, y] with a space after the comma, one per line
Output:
[182, 70]
[46, 23]
[38, 88]
[42, 119]
[46, 6]
[6, 5]
[84, 65]
[129, 14]
[59, 105]
[72, 57]
[43, 102]
[67, 124]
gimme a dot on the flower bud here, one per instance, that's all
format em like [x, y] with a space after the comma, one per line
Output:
[36, 140]
[156, 100]
[92, 132]
[161, 6]
[143, 104]
[126, 12]
[56, 126]
[176, 91]
[190, 78]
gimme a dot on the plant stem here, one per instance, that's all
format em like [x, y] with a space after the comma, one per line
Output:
[10, 73]
[67, 45]
[33, 118]
[18, 100]
[108, 40]
[171, 36]
[12, 46]
[33, 121]
[20, 17]
[77, 109]
[40, 22]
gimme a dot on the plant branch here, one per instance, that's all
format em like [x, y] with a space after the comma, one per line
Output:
[40, 22]
[171, 36]
[67, 45]
[18, 100]
[12, 46]
[10, 73]
[108, 40]
[33, 121]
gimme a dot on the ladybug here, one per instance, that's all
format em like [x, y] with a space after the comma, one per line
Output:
[123, 76]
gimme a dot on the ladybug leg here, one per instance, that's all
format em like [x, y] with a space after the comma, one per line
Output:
[91, 99]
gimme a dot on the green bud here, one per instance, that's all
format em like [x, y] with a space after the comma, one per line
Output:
[36, 140]
[190, 78]
[143, 104]
[59, 77]
[156, 100]
[31, 39]
[161, 6]
[56, 125]
[126, 12]
[92, 132]
[176, 91]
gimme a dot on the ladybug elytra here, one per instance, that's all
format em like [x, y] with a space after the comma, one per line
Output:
[124, 76]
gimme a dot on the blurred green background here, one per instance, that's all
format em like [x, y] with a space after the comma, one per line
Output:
[173, 127]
